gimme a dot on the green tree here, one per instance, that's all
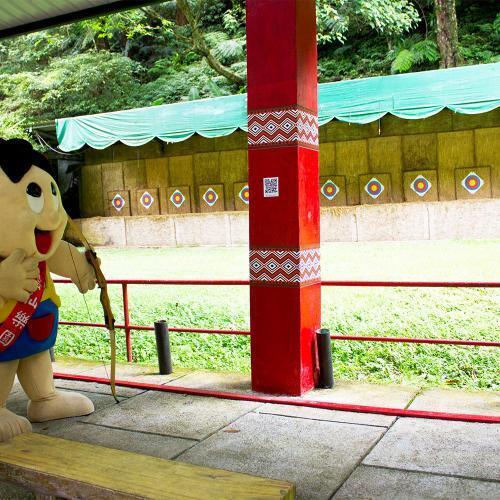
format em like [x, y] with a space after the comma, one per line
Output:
[92, 82]
[389, 17]
[156, 55]
[192, 12]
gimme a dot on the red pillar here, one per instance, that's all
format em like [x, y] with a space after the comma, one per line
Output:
[285, 290]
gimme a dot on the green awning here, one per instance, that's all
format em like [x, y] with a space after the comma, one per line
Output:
[467, 90]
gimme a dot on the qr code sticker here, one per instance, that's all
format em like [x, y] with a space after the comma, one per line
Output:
[271, 187]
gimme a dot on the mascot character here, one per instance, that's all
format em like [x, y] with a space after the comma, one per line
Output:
[32, 223]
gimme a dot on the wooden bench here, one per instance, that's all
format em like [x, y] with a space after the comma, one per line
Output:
[59, 468]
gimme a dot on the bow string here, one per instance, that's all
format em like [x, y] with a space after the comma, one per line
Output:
[109, 318]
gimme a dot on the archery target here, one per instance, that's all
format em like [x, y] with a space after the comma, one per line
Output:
[374, 188]
[244, 194]
[146, 200]
[177, 198]
[420, 185]
[118, 202]
[329, 190]
[210, 197]
[472, 183]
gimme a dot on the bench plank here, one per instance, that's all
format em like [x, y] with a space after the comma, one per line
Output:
[70, 469]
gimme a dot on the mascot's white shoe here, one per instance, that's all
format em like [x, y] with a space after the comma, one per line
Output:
[12, 425]
[60, 405]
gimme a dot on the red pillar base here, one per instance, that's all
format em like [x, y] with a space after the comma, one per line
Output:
[284, 350]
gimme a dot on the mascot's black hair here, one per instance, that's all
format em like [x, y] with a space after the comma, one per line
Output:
[17, 156]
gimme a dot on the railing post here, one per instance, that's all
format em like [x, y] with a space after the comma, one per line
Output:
[126, 315]
[163, 347]
[325, 358]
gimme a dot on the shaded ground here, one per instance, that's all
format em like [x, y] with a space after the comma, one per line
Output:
[328, 454]
[446, 313]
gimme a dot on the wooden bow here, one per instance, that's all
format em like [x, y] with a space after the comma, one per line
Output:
[109, 318]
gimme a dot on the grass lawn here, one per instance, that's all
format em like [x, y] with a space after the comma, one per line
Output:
[447, 313]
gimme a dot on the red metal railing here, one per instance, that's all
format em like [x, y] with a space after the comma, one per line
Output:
[283, 400]
[128, 327]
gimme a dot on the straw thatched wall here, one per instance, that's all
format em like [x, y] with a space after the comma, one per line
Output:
[443, 148]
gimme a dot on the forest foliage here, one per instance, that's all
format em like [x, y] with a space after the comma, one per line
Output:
[191, 49]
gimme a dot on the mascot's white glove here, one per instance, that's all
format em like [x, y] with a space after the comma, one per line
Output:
[86, 279]
[83, 274]
[69, 262]
[18, 277]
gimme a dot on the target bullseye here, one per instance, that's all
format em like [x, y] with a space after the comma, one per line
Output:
[420, 185]
[210, 197]
[244, 194]
[118, 202]
[472, 183]
[374, 188]
[177, 198]
[329, 190]
[147, 200]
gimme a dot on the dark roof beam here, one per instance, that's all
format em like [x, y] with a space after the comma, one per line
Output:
[78, 15]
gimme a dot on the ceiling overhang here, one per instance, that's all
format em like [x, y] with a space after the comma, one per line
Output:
[27, 16]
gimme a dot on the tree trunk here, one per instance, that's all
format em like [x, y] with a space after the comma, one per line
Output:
[200, 45]
[126, 48]
[101, 43]
[447, 33]
[180, 18]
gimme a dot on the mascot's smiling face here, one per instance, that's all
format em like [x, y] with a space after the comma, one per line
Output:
[32, 217]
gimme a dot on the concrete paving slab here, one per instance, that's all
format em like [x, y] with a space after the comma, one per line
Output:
[137, 442]
[458, 401]
[137, 373]
[441, 447]
[73, 385]
[218, 381]
[392, 396]
[327, 415]
[389, 484]
[316, 455]
[176, 415]
[70, 365]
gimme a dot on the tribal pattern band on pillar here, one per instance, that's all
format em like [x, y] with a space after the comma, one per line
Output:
[274, 128]
[283, 127]
[285, 267]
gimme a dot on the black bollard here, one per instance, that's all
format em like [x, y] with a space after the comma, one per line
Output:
[163, 347]
[325, 359]
[52, 355]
